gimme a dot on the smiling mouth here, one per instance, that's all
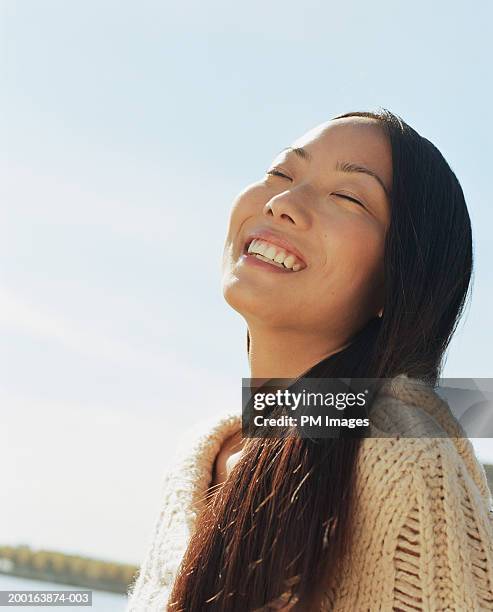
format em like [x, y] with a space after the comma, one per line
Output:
[273, 254]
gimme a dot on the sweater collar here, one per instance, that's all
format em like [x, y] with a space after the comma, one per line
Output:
[413, 396]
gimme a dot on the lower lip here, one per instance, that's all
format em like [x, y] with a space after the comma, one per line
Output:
[251, 260]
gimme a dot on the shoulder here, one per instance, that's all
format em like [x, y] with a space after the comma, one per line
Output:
[412, 426]
[189, 474]
[183, 485]
[417, 447]
[430, 467]
[423, 527]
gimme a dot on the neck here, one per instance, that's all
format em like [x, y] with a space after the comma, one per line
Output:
[276, 353]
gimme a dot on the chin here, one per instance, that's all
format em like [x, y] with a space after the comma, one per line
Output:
[253, 304]
[239, 297]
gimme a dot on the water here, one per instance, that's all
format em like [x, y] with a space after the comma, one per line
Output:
[101, 601]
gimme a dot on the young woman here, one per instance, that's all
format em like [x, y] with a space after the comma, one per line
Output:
[351, 257]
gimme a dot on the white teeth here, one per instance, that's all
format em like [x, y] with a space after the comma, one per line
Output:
[258, 256]
[261, 248]
[274, 254]
[289, 261]
[253, 245]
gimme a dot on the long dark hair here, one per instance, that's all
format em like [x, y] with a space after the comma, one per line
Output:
[281, 521]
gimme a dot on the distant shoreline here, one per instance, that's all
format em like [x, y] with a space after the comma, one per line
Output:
[52, 566]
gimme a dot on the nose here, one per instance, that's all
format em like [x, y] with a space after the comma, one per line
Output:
[284, 208]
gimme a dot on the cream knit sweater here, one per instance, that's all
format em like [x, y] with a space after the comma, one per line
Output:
[423, 524]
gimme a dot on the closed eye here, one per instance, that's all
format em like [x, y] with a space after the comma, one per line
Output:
[275, 172]
[343, 195]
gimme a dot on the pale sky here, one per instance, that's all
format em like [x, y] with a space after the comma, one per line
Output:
[128, 129]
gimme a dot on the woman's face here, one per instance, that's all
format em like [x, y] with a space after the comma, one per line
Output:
[333, 281]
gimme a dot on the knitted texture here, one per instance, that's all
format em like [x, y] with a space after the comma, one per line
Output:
[422, 537]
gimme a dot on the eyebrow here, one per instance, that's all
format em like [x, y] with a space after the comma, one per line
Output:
[341, 166]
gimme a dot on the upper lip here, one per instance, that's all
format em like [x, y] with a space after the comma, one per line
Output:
[273, 238]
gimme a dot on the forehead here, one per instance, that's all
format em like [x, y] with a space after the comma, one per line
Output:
[357, 140]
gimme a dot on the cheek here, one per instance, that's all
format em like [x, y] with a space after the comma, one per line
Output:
[250, 200]
[353, 255]
[247, 203]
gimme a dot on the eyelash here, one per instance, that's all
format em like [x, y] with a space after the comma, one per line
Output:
[341, 195]
[276, 173]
